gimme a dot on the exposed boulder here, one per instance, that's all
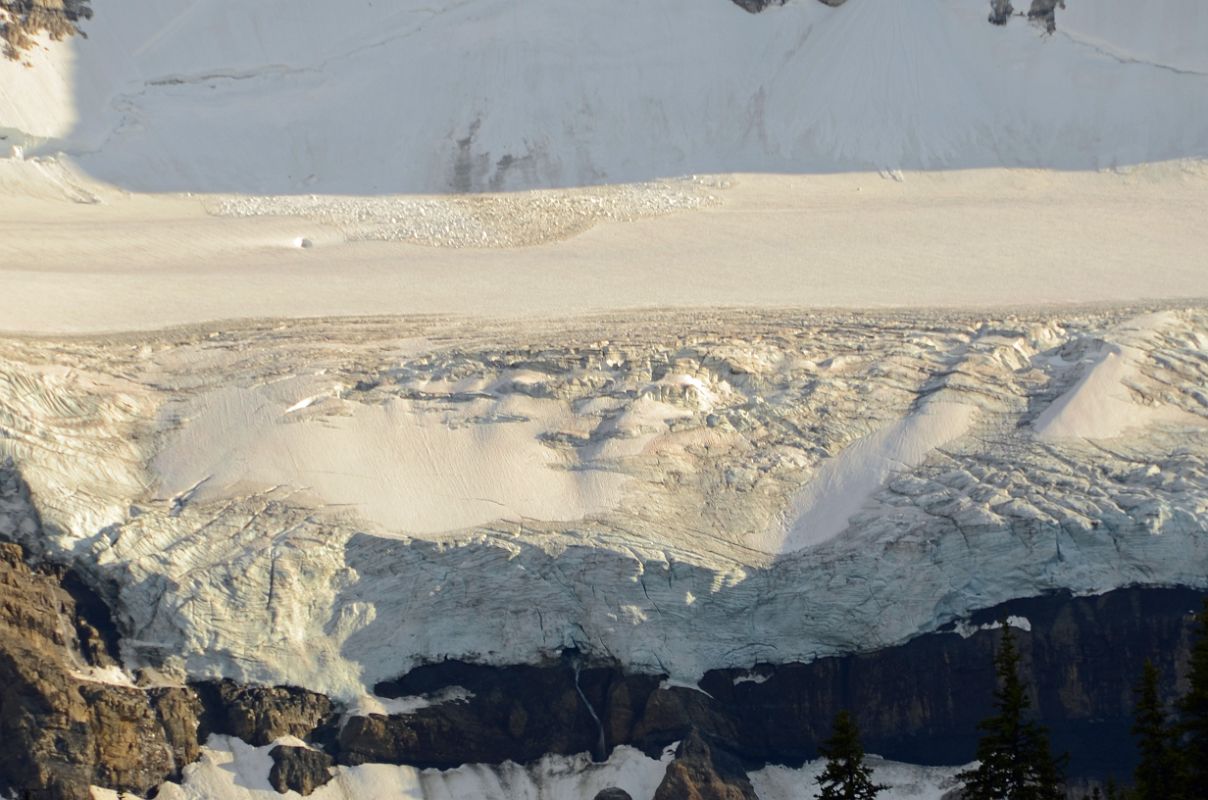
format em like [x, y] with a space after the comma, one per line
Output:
[613, 793]
[919, 702]
[755, 6]
[1000, 11]
[299, 769]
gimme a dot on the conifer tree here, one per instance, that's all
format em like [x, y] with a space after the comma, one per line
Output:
[846, 776]
[1193, 708]
[1158, 775]
[1015, 762]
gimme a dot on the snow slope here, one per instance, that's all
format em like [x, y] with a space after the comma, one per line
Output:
[1169, 34]
[275, 96]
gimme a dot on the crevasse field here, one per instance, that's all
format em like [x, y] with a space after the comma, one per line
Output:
[342, 337]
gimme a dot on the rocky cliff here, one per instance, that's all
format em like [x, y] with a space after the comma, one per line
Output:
[68, 721]
[919, 702]
[434, 545]
[63, 726]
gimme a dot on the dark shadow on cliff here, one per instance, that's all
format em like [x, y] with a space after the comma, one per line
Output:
[917, 702]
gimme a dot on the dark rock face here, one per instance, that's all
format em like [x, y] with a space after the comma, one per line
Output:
[919, 702]
[613, 793]
[517, 713]
[61, 733]
[180, 711]
[703, 772]
[299, 769]
[259, 715]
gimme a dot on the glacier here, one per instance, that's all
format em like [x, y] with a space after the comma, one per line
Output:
[341, 340]
[274, 505]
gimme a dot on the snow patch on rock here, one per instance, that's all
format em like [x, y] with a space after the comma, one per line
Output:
[229, 769]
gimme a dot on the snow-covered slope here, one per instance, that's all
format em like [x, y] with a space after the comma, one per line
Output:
[357, 97]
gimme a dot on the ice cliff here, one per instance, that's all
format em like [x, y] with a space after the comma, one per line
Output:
[329, 506]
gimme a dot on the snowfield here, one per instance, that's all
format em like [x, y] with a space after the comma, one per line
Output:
[358, 98]
[202, 160]
[979, 239]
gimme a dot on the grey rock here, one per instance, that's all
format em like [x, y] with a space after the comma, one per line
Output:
[61, 733]
[613, 793]
[1045, 13]
[299, 769]
[1000, 11]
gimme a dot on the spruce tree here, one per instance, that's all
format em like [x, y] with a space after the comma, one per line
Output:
[1015, 762]
[846, 776]
[1193, 709]
[1158, 775]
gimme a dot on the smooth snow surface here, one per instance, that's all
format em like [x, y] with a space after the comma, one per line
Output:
[408, 466]
[229, 769]
[282, 97]
[954, 239]
[1168, 35]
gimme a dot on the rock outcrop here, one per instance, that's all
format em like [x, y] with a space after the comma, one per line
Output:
[21, 21]
[70, 719]
[299, 769]
[919, 702]
[1045, 12]
[702, 772]
[516, 713]
[62, 728]
[755, 6]
[260, 715]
